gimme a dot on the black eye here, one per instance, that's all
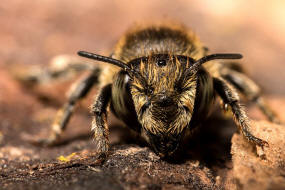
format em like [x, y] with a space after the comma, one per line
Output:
[161, 63]
[149, 90]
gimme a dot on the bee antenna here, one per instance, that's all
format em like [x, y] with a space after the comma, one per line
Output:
[114, 62]
[196, 66]
[104, 59]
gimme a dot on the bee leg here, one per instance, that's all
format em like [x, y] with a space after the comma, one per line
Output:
[62, 67]
[99, 125]
[252, 92]
[230, 97]
[63, 115]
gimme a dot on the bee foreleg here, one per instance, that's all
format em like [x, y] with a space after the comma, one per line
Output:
[99, 123]
[252, 92]
[61, 67]
[230, 97]
[78, 91]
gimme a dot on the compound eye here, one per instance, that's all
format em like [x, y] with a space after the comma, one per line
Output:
[127, 78]
[161, 63]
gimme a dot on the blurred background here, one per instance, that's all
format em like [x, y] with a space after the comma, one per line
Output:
[33, 32]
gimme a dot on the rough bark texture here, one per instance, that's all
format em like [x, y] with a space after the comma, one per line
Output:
[256, 168]
[215, 158]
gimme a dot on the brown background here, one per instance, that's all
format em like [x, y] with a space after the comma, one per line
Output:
[32, 32]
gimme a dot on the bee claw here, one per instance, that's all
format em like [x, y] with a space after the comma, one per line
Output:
[102, 155]
[261, 143]
[265, 144]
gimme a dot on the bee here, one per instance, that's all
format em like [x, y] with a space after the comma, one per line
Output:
[162, 82]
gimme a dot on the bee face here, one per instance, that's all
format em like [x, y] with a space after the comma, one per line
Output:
[164, 104]
[162, 89]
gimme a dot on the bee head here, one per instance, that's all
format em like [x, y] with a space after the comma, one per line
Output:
[163, 89]
[164, 97]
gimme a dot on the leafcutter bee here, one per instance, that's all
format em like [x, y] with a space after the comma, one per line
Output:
[161, 82]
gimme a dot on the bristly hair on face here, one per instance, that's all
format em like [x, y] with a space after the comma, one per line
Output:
[191, 70]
